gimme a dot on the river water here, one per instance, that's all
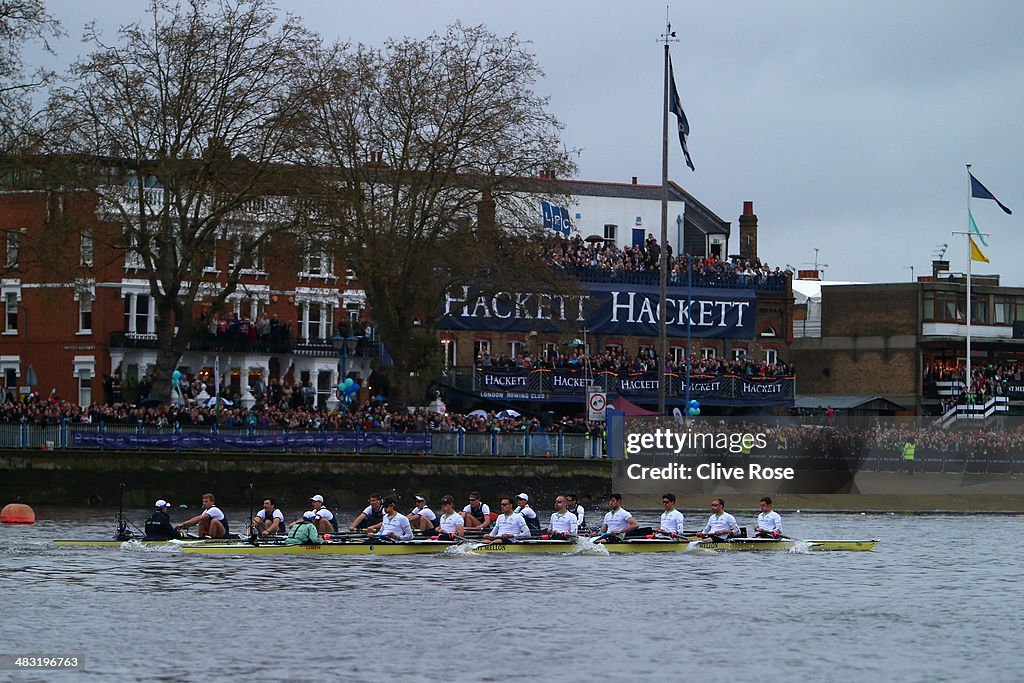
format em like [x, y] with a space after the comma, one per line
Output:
[939, 599]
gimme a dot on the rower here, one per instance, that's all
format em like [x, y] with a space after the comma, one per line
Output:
[422, 517]
[524, 509]
[211, 521]
[563, 523]
[510, 525]
[269, 520]
[671, 519]
[158, 526]
[304, 532]
[721, 525]
[576, 509]
[450, 523]
[617, 521]
[769, 523]
[325, 520]
[394, 526]
[371, 516]
[476, 515]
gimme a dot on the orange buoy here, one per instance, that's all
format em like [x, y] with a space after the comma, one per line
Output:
[17, 513]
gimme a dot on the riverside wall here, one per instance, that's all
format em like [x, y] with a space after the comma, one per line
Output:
[77, 478]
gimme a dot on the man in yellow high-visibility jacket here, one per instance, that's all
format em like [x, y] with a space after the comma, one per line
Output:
[908, 456]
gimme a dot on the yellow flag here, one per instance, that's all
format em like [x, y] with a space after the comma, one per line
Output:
[976, 254]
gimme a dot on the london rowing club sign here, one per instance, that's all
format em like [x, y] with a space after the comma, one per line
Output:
[605, 309]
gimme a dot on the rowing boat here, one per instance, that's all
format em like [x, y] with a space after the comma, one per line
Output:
[420, 547]
[117, 543]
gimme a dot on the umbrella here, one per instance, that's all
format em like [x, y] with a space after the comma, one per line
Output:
[594, 238]
[478, 413]
[213, 401]
[150, 402]
[506, 414]
[574, 342]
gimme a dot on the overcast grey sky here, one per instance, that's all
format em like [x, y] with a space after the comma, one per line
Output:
[847, 124]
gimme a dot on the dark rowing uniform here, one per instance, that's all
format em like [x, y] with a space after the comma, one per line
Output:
[371, 517]
[159, 527]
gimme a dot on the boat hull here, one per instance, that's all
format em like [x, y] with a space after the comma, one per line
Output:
[111, 543]
[537, 546]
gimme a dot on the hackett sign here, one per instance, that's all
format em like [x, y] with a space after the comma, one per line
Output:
[606, 309]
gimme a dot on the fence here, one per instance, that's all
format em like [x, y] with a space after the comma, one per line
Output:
[143, 437]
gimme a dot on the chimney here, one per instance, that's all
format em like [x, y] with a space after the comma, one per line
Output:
[485, 211]
[940, 268]
[634, 180]
[748, 231]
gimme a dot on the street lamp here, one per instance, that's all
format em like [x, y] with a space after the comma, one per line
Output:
[446, 343]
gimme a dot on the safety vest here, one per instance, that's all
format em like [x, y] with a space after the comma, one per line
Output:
[908, 451]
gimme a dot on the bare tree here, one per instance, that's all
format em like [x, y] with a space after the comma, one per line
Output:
[21, 22]
[181, 130]
[428, 147]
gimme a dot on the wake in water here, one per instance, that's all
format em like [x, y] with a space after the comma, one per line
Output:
[585, 546]
[137, 547]
[801, 547]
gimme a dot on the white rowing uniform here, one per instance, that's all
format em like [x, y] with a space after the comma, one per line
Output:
[511, 523]
[770, 521]
[483, 515]
[424, 512]
[278, 515]
[671, 522]
[526, 511]
[580, 511]
[450, 523]
[720, 525]
[563, 522]
[617, 521]
[214, 513]
[398, 525]
[324, 513]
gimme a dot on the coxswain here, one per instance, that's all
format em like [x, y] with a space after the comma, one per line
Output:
[450, 523]
[211, 521]
[575, 508]
[563, 524]
[394, 526]
[617, 521]
[422, 517]
[509, 526]
[269, 520]
[524, 509]
[304, 531]
[721, 525]
[371, 516]
[325, 520]
[769, 523]
[671, 519]
[476, 515]
[158, 526]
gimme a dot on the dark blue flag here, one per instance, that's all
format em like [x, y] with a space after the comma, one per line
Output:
[676, 107]
[981, 192]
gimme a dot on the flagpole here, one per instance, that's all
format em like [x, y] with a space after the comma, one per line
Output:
[663, 255]
[970, 254]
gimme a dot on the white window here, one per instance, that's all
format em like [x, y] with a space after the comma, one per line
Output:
[768, 331]
[318, 263]
[450, 349]
[13, 248]
[85, 249]
[613, 348]
[85, 316]
[610, 233]
[11, 312]
[707, 353]
[139, 315]
[550, 350]
[245, 254]
[85, 370]
[771, 356]
[678, 354]
[739, 354]
[516, 347]
[482, 346]
[316, 321]
[133, 258]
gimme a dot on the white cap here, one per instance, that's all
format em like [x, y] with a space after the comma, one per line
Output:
[309, 514]
[317, 498]
[161, 504]
[421, 498]
[524, 497]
